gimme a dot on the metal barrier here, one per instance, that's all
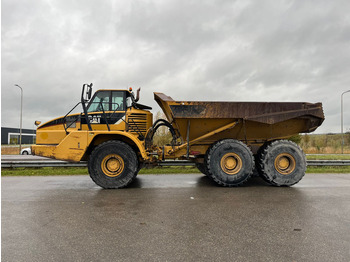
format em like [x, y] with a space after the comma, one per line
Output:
[328, 162]
[54, 163]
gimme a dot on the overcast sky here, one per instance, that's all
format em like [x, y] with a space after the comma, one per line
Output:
[189, 50]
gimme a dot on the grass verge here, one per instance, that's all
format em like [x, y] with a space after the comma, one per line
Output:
[66, 171]
[44, 171]
[328, 169]
[328, 157]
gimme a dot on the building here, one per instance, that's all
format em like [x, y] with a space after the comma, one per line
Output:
[11, 136]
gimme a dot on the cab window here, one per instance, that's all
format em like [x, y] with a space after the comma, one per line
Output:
[110, 100]
[99, 100]
[118, 101]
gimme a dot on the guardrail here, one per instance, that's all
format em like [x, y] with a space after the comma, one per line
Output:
[328, 162]
[53, 163]
[41, 163]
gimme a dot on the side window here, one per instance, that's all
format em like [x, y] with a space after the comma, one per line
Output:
[118, 101]
[101, 99]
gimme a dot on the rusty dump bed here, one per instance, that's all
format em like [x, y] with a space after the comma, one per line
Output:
[254, 121]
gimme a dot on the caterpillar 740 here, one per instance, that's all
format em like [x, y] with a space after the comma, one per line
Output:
[227, 141]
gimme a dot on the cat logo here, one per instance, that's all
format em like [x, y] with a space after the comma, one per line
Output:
[95, 119]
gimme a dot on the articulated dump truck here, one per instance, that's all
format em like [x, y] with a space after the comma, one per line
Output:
[227, 141]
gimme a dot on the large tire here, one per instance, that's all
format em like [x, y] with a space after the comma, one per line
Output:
[202, 167]
[230, 162]
[113, 164]
[139, 167]
[282, 163]
[258, 158]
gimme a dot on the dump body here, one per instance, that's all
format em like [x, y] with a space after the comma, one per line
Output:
[255, 122]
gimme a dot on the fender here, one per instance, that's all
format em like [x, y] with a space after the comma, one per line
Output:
[101, 136]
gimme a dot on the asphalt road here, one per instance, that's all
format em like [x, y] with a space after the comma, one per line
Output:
[175, 218]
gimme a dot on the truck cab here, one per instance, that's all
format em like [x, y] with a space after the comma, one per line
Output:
[108, 114]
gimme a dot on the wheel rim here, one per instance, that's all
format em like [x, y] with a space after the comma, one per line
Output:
[231, 163]
[112, 165]
[285, 163]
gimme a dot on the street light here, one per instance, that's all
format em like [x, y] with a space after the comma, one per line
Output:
[20, 129]
[342, 134]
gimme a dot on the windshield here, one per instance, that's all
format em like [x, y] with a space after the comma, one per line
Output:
[99, 100]
[109, 100]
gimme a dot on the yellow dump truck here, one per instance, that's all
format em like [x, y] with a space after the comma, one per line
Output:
[226, 140]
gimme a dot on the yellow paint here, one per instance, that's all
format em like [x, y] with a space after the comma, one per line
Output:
[285, 163]
[112, 165]
[75, 144]
[216, 131]
[71, 148]
[50, 137]
[231, 163]
[44, 136]
[53, 141]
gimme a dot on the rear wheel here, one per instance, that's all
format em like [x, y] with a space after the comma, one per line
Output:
[113, 164]
[258, 161]
[202, 168]
[282, 163]
[230, 162]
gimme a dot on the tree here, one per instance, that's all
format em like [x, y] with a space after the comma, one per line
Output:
[296, 139]
[162, 137]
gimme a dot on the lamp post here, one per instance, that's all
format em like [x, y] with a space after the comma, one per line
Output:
[342, 134]
[20, 129]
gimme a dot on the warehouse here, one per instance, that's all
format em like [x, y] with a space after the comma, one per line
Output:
[10, 136]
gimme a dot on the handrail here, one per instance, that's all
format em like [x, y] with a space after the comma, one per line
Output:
[64, 118]
[104, 115]
[138, 131]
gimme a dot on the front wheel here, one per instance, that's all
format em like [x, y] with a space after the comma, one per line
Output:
[113, 164]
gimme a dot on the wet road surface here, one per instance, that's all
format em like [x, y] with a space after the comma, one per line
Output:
[175, 218]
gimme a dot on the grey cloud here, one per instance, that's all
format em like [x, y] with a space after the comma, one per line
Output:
[190, 50]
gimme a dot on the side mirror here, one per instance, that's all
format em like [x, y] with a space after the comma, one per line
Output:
[86, 93]
[37, 123]
[89, 92]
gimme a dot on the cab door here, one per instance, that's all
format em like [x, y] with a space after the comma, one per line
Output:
[106, 110]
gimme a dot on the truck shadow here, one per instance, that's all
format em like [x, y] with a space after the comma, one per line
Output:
[255, 181]
[185, 181]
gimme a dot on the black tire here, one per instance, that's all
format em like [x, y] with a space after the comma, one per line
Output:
[139, 167]
[230, 162]
[25, 153]
[258, 158]
[282, 163]
[202, 167]
[113, 164]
